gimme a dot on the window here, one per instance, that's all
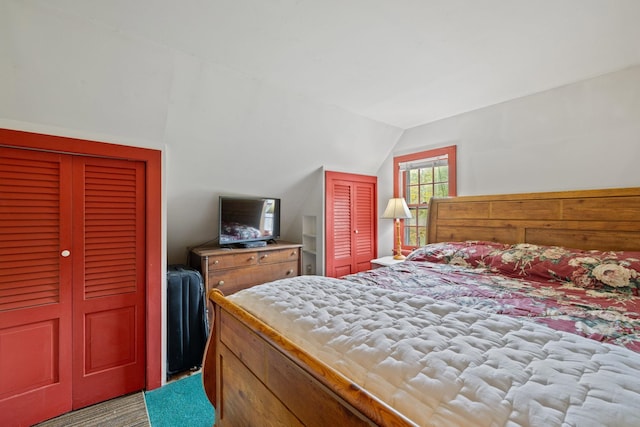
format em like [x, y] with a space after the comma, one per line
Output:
[417, 178]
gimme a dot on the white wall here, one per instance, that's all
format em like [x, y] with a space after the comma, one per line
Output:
[221, 132]
[581, 136]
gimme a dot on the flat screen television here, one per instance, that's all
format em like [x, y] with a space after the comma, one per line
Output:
[243, 220]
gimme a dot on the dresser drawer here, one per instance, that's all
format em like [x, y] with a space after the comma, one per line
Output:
[279, 271]
[238, 260]
[281, 255]
[230, 281]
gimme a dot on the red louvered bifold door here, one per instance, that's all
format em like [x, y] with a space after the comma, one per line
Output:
[72, 282]
[35, 286]
[365, 225]
[351, 225]
[339, 228]
[109, 279]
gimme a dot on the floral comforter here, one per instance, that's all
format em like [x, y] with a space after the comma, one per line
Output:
[589, 293]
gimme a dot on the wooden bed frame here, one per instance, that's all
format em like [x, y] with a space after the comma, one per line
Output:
[255, 376]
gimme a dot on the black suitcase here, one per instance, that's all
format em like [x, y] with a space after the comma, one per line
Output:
[187, 324]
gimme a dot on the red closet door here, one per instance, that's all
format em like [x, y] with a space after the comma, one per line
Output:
[365, 225]
[72, 282]
[339, 228]
[108, 279]
[351, 225]
[35, 286]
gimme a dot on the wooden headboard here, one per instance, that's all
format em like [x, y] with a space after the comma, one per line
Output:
[586, 219]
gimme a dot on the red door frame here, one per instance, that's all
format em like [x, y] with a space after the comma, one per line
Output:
[153, 160]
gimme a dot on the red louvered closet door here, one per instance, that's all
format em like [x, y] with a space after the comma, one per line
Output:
[351, 226]
[35, 286]
[72, 274]
[108, 279]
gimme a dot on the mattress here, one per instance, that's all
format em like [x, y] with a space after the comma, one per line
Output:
[444, 364]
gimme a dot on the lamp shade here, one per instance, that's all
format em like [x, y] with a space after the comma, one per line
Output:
[397, 208]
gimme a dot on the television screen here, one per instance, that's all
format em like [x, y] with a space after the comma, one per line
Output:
[248, 219]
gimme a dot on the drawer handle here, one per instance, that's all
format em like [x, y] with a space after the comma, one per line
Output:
[216, 262]
[264, 256]
[289, 272]
[221, 282]
[252, 258]
[294, 253]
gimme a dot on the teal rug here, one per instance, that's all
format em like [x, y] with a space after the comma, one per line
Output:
[180, 403]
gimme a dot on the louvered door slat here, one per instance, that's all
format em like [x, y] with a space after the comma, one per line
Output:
[12, 299]
[33, 277]
[17, 263]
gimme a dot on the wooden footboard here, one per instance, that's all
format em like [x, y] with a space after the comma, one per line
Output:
[254, 376]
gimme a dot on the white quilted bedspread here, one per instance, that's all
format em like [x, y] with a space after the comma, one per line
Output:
[440, 364]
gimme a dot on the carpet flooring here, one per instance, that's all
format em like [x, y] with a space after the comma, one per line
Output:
[180, 403]
[125, 411]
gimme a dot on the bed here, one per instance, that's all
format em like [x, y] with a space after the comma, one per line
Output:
[522, 310]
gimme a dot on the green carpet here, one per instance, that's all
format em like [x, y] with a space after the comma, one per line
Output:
[180, 403]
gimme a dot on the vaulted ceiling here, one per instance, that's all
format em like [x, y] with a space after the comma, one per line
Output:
[400, 62]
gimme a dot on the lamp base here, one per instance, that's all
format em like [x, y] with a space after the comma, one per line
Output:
[398, 252]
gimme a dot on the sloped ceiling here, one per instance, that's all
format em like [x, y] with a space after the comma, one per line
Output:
[400, 62]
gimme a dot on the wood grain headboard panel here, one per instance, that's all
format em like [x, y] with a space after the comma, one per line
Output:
[586, 219]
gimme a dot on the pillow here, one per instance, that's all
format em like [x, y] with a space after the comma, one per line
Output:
[610, 271]
[467, 254]
[618, 271]
[525, 259]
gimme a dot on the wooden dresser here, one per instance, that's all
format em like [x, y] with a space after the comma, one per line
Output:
[231, 270]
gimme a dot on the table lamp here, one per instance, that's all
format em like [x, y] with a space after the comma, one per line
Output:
[397, 209]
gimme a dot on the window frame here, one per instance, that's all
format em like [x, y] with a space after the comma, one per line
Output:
[449, 151]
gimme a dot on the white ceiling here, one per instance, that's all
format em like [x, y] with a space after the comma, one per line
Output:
[400, 62]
